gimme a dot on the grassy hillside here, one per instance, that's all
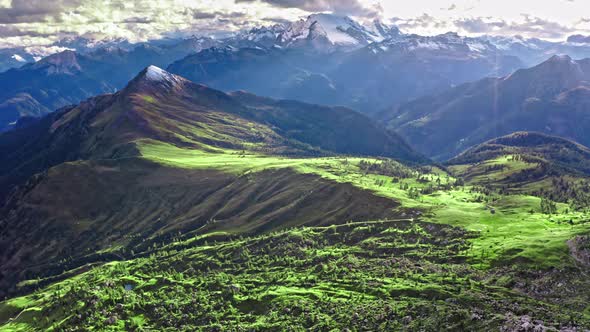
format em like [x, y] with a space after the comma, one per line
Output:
[206, 217]
[486, 260]
[165, 156]
[393, 274]
[533, 163]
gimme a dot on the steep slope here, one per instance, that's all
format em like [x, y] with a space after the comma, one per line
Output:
[549, 98]
[327, 127]
[164, 107]
[117, 163]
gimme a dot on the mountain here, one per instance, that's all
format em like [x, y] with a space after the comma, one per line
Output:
[85, 45]
[533, 51]
[120, 160]
[323, 58]
[272, 72]
[549, 98]
[411, 66]
[13, 58]
[328, 128]
[327, 32]
[46, 85]
[405, 67]
[324, 33]
[16, 57]
[522, 157]
[131, 210]
[69, 77]
[579, 39]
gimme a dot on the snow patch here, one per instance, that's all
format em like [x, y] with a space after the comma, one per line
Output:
[18, 58]
[157, 74]
[334, 26]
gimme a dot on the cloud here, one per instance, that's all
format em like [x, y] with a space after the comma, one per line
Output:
[201, 15]
[529, 26]
[10, 31]
[138, 20]
[424, 22]
[479, 24]
[43, 22]
[28, 11]
[343, 7]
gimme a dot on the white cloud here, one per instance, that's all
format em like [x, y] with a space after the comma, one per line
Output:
[344, 7]
[41, 22]
[552, 19]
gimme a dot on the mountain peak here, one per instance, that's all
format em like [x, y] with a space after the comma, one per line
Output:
[65, 62]
[560, 58]
[154, 73]
[158, 75]
[562, 68]
[155, 77]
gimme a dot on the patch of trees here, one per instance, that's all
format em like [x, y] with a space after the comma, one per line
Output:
[575, 192]
[548, 206]
[386, 167]
[532, 174]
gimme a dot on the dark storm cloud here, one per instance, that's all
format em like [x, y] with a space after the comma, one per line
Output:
[424, 21]
[31, 11]
[201, 15]
[347, 7]
[479, 25]
[10, 31]
[138, 20]
[276, 20]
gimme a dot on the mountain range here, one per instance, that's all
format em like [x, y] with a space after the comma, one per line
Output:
[551, 97]
[321, 175]
[109, 204]
[324, 59]
[328, 33]
[148, 201]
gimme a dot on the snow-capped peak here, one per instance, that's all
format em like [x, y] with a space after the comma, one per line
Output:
[448, 44]
[154, 73]
[337, 28]
[335, 31]
[155, 77]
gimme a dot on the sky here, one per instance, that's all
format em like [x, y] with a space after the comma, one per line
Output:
[42, 22]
